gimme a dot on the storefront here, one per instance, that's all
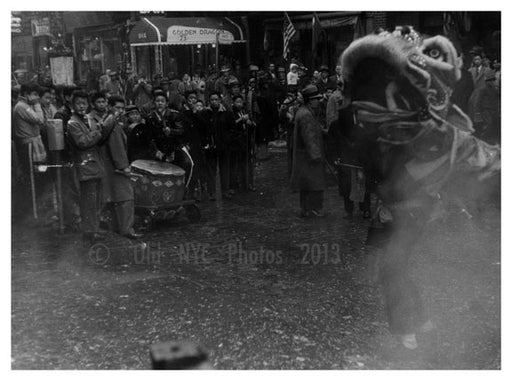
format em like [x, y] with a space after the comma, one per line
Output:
[339, 30]
[181, 45]
[98, 48]
[22, 52]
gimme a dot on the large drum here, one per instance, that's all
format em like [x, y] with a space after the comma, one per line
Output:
[157, 184]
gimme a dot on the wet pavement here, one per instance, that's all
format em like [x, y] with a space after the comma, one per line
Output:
[256, 286]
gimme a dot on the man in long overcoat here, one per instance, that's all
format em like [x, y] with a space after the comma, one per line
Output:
[85, 143]
[117, 186]
[308, 172]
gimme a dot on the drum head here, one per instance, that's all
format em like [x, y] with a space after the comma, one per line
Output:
[157, 168]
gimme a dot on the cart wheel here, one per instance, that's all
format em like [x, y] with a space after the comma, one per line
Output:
[193, 213]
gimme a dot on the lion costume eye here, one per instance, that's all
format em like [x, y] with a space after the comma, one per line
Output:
[434, 53]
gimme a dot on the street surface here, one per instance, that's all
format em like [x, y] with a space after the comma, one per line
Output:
[256, 286]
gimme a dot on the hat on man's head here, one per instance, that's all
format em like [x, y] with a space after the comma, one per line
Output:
[131, 108]
[324, 68]
[225, 68]
[165, 81]
[310, 92]
[253, 68]
[113, 73]
[233, 82]
[290, 98]
[281, 69]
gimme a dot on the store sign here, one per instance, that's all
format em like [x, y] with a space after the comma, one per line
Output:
[187, 35]
[62, 70]
[15, 24]
[41, 27]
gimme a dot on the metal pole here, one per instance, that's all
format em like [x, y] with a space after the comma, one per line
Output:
[59, 192]
[134, 60]
[217, 51]
[247, 157]
[32, 182]
[102, 56]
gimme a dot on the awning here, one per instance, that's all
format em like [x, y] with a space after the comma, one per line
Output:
[185, 31]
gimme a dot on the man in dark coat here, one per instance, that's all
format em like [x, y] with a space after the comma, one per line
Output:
[85, 143]
[195, 126]
[70, 183]
[167, 129]
[117, 186]
[221, 123]
[308, 172]
[139, 137]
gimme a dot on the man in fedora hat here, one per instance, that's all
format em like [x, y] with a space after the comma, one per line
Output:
[323, 81]
[308, 173]
[222, 84]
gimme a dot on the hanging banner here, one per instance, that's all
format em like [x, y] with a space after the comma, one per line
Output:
[41, 27]
[62, 70]
[187, 35]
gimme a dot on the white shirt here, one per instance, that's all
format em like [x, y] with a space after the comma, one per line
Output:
[292, 78]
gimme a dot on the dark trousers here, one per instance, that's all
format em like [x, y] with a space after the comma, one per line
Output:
[123, 216]
[241, 171]
[223, 160]
[310, 200]
[363, 206]
[70, 196]
[90, 203]
[344, 186]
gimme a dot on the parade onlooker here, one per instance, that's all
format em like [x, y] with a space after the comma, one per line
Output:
[194, 129]
[334, 104]
[292, 78]
[48, 109]
[139, 138]
[221, 124]
[200, 84]
[28, 119]
[242, 147]
[487, 111]
[286, 118]
[99, 110]
[463, 88]
[267, 127]
[115, 85]
[222, 84]
[142, 92]
[271, 72]
[85, 144]
[251, 97]
[308, 171]
[354, 178]
[70, 183]
[186, 85]
[117, 188]
[479, 73]
[46, 100]
[104, 79]
[64, 113]
[167, 129]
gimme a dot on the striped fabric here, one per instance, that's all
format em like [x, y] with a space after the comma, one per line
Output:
[288, 33]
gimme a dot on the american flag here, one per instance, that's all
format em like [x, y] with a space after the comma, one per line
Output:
[288, 33]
